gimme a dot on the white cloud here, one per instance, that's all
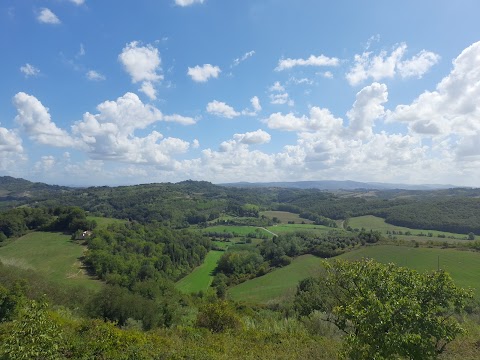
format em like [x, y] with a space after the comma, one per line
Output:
[320, 119]
[45, 164]
[29, 70]
[221, 109]
[366, 109]
[254, 137]
[386, 65]
[46, 16]
[256, 104]
[10, 142]
[81, 52]
[11, 152]
[183, 120]
[279, 96]
[184, 3]
[78, 2]
[143, 64]
[110, 134]
[276, 87]
[321, 60]
[35, 120]
[95, 75]
[204, 72]
[244, 57]
[418, 65]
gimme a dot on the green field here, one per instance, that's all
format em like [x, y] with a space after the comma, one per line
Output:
[285, 217]
[277, 285]
[377, 223]
[200, 278]
[463, 266]
[238, 231]
[288, 228]
[53, 255]
[103, 222]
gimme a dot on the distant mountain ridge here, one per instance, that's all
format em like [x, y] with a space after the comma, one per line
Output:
[341, 185]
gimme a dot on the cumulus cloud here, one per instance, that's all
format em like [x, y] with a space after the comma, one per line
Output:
[143, 64]
[183, 120]
[29, 70]
[203, 73]
[320, 119]
[46, 16]
[255, 101]
[35, 120]
[110, 134]
[366, 109]
[449, 114]
[11, 151]
[10, 142]
[221, 109]
[254, 137]
[279, 96]
[95, 75]
[321, 60]
[385, 65]
[184, 3]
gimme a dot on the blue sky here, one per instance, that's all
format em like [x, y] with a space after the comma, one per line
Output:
[125, 92]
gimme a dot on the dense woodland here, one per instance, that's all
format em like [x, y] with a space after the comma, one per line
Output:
[138, 313]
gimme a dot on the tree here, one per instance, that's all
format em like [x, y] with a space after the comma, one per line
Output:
[386, 311]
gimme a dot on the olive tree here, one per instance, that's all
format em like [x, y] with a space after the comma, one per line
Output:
[385, 311]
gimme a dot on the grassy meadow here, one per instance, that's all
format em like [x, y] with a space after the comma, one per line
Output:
[53, 255]
[288, 228]
[281, 284]
[200, 278]
[285, 217]
[377, 223]
[277, 285]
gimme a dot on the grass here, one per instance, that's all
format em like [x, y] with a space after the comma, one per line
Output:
[278, 285]
[103, 222]
[53, 255]
[463, 266]
[237, 231]
[200, 278]
[288, 228]
[281, 284]
[377, 223]
[285, 217]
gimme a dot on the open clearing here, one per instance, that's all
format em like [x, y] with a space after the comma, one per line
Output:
[377, 223]
[285, 217]
[281, 284]
[277, 285]
[237, 231]
[200, 278]
[288, 228]
[103, 222]
[53, 255]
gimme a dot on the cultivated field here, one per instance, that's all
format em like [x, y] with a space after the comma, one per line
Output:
[51, 254]
[278, 285]
[376, 223]
[200, 278]
[288, 228]
[463, 266]
[281, 284]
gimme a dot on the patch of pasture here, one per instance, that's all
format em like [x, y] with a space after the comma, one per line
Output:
[201, 277]
[285, 217]
[53, 255]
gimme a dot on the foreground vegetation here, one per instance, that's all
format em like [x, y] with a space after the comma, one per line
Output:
[197, 271]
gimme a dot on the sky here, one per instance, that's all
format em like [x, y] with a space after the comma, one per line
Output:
[127, 92]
